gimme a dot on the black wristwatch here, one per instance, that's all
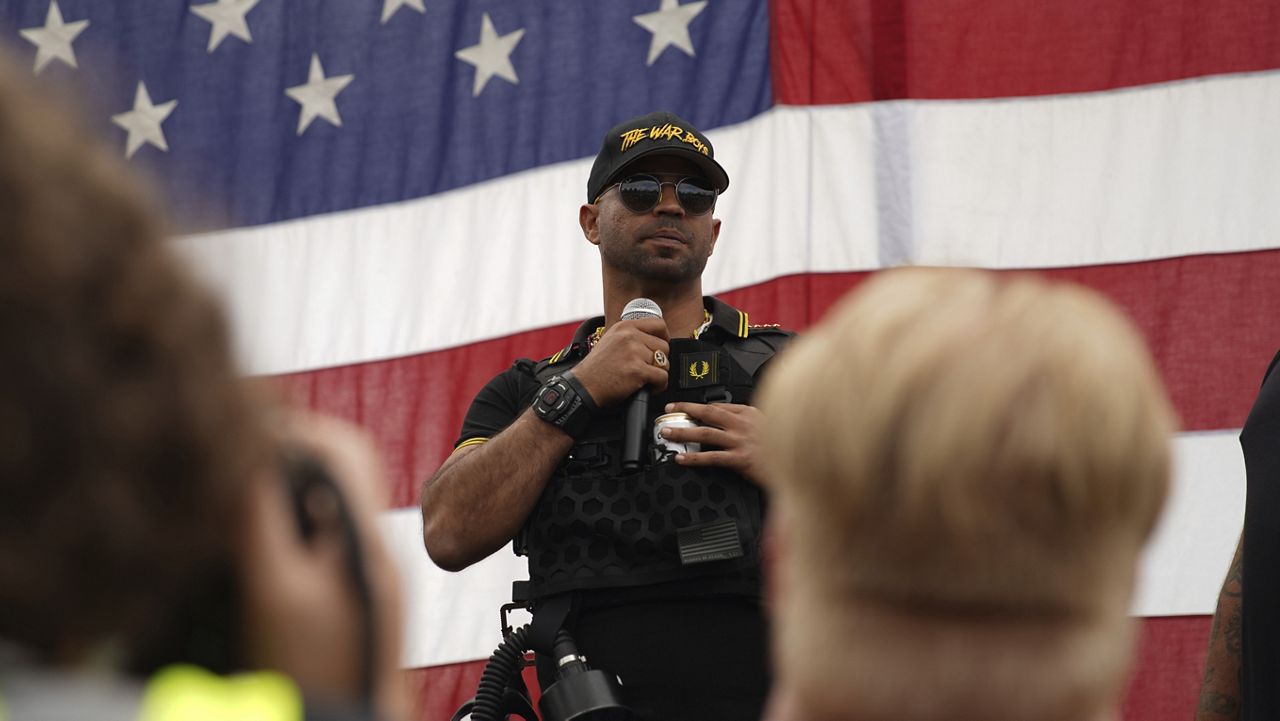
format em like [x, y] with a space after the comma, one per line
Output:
[565, 404]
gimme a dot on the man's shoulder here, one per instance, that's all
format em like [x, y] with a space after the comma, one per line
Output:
[524, 369]
[769, 337]
[567, 356]
[538, 370]
[514, 379]
[523, 366]
[768, 330]
[753, 346]
[736, 323]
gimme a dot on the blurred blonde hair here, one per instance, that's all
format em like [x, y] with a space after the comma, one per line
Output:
[969, 465]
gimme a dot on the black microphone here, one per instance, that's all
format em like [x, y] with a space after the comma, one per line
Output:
[638, 410]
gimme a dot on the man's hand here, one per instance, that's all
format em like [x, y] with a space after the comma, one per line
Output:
[623, 361]
[732, 427]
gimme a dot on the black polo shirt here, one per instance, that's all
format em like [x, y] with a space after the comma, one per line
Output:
[682, 650]
[1260, 603]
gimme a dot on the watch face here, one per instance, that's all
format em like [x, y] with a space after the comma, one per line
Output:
[558, 403]
[552, 399]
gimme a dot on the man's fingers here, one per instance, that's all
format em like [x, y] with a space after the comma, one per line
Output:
[725, 459]
[722, 415]
[650, 327]
[626, 360]
[706, 435]
[652, 352]
[656, 378]
[653, 326]
[728, 428]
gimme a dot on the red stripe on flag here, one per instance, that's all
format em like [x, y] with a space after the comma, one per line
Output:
[439, 691]
[845, 51]
[413, 406]
[1207, 318]
[1204, 317]
[1168, 668]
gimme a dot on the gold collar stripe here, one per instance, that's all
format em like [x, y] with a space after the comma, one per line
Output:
[470, 442]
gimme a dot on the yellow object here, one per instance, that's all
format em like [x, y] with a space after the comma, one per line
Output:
[188, 693]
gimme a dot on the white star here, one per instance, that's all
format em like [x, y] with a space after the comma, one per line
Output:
[143, 122]
[670, 26]
[227, 17]
[317, 96]
[389, 7]
[492, 55]
[53, 41]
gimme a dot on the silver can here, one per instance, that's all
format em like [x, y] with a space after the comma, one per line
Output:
[665, 447]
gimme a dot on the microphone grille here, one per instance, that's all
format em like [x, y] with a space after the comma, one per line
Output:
[641, 308]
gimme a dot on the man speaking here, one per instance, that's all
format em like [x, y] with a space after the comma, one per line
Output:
[625, 465]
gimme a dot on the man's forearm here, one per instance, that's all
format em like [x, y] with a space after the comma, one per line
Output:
[1220, 690]
[481, 496]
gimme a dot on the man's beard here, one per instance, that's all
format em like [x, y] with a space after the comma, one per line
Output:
[640, 260]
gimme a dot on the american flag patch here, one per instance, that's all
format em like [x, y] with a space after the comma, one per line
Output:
[718, 541]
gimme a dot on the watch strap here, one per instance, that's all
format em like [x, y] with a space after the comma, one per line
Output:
[564, 403]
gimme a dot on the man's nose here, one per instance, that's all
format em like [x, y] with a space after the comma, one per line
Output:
[667, 201]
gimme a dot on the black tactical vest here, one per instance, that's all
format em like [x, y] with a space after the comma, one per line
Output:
[596, 526]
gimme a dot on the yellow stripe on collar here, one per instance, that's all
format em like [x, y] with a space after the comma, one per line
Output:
[742, 324]
[470, 442]
[188, 693]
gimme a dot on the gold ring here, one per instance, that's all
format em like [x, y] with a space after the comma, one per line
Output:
[660, 359]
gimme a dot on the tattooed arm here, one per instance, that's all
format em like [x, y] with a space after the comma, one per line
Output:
[1220, 690]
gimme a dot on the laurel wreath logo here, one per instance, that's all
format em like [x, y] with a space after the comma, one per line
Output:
[699, 370]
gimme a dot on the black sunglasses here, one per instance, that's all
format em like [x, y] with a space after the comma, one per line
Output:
[640, 193]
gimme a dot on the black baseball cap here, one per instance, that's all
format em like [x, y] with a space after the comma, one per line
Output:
[658, 133]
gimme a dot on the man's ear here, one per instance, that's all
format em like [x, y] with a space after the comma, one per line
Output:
[589, 219]
[715, 233]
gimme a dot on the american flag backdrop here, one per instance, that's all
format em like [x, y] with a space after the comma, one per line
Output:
[385, 193]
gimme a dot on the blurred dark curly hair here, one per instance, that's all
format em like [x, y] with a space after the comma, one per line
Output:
[126, 437]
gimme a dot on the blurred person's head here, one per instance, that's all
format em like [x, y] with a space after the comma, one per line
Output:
[966, 467]
[142, 517]
[126, 440]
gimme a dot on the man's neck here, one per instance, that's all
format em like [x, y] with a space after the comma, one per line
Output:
[682, 307]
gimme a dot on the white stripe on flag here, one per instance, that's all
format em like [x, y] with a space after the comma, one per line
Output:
[1183, 567]
[1127, 175]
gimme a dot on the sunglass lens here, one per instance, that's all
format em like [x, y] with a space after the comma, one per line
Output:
[640, 193]
[696, 197]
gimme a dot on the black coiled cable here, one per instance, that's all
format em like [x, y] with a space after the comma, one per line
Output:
[503, 665]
